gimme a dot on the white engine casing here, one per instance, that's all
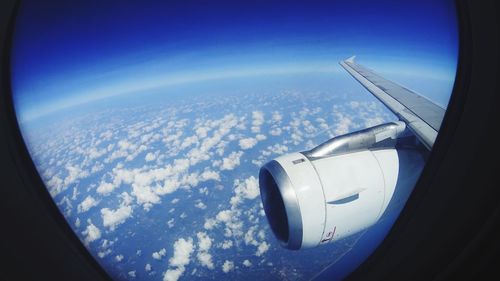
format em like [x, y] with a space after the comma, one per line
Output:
[328, 198]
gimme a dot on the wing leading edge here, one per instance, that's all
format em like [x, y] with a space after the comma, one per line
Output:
[422, 116]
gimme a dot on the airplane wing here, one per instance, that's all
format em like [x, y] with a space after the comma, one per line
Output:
[422, 116]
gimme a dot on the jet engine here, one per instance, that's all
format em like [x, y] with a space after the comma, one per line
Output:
[333, 190]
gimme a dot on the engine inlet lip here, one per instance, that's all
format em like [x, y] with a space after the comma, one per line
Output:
[280, 179]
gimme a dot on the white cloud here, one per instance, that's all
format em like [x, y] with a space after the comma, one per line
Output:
[308, 127]
[187, 142]
[258, 163]
[247, 143]
[169, 186]
[275, 131]
[209, 175]
[74, 173]
[297, 137]
[91, 233]
[55, 185]
[232, 161]
[75, 193]
[227, 244]
[145, 196]
[119, 258]
[131, 273]
[124, 144]
[204, 245]
[227, 266]
[86, 204]
[370, 122]
[113, 218]
[258, 120]
[203, 190]
[173, 274]
[158, 255]
[279, 149]
[106, 135]
[182, 252]
[210, 224]
[247, 263]
[309, 144]
[277, 116]
[260, 137]
[342, 124]
[200, 205]
[354, 104]
[205, 259]
[276, 148]
[249, 237]
[248, 189]
[147, 267]
[171, 223]
[126, 199]
[94, 153]
[96, 168]
[204, 241]
[224, 216]
[201, 132]
[104, 253]
[232, 222]
[263, 247]
[105, 188]
[150, 157]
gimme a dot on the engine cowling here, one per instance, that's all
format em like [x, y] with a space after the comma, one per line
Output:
[312, 198]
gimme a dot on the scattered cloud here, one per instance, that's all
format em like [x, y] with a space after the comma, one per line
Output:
[91, 233]
[247, 263]
[177, 264]
[113, 218]
[227, 244]
[171, 223]
[200, 205]
[262, 248]
[119, 258]
[210, 224]
[275, 131]
[247, 143]
[150, 157]
[227, 266]
[174, 152]
[160, 254]
[204, 245]
[258, 120]
[105, 188]
[232, 161]
[86, 204]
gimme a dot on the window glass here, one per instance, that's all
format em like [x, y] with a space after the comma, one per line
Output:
[148, 121]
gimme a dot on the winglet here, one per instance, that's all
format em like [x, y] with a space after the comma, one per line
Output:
[351, 59]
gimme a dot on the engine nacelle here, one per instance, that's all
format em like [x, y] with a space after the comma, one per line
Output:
[334, 190]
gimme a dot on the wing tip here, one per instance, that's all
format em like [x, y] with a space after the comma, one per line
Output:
[351, 59]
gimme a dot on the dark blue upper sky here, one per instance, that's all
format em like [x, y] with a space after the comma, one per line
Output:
[69, 52]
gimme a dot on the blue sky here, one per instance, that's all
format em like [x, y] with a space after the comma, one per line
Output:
[68, 53]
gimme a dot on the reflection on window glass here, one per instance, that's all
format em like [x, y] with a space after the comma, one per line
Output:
[150, 122]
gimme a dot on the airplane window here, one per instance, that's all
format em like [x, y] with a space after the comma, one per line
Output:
[276, 140]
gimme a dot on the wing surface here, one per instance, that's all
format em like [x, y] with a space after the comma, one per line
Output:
[422, 116]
